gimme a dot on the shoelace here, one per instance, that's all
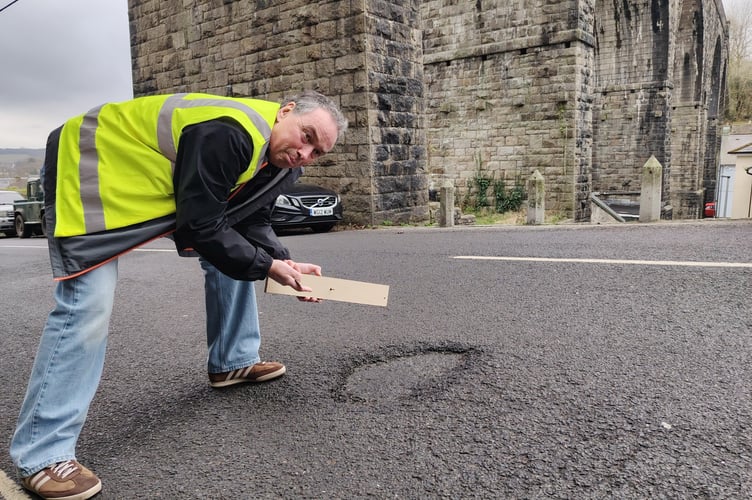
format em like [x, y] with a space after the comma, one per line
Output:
[65, 469]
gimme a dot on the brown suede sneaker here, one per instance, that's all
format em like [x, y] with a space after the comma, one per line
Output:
[260, 372]
[63, 481]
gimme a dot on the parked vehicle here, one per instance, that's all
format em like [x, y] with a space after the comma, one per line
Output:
[7, 215]
[29, 213]
[307, 206]
[710, 209]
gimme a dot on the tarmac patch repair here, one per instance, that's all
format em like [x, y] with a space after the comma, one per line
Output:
[405, 373]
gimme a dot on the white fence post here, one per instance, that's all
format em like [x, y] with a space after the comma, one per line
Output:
[446, 205]
[650, 191]
[536, 199]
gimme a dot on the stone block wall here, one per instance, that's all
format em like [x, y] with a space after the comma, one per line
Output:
[699, 55]
[689, 113]
[634, 98]
[508, 92]
[660, 67]
[583, 91]
[366, 56]
[715, 65]
[397, 147]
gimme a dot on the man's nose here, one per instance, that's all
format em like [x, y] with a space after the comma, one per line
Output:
[306, 153]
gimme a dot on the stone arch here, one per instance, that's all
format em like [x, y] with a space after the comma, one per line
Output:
[715, 104]
[717, 80]
[632, 62]
[688, 59]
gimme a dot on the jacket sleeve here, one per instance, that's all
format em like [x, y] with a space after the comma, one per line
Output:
[211, 157]
[258, 226]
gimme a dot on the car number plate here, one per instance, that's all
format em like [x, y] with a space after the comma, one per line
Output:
[317, 211]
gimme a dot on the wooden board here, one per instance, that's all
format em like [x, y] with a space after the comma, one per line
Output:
[328, 288]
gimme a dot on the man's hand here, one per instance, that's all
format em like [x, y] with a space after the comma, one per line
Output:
[289, 273]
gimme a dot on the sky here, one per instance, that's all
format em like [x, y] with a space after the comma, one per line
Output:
[60, 58]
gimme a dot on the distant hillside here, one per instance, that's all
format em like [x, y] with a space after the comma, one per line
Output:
[20, 163]
[20, 152]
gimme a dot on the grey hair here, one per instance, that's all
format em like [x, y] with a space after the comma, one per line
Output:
[310, 100]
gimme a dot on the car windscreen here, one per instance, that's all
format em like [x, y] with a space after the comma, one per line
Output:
[8, 197]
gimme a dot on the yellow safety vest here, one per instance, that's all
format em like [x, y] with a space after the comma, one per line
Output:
[115, 163]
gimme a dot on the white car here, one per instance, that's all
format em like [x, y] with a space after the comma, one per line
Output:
[7, 222]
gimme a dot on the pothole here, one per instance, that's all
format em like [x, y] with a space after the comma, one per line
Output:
[405, 376]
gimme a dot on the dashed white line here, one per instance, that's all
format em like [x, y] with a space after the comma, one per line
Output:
[685, 263]
[44, 247]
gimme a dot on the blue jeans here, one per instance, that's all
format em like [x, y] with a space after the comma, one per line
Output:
[232, 325]
[69, 362]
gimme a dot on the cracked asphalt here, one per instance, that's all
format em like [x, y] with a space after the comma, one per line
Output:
[481, 379]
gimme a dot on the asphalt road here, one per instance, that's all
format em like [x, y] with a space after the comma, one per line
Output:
[621, 371]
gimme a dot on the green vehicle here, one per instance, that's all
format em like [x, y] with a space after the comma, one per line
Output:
[29, 213]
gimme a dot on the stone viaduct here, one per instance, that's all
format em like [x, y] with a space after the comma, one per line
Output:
[585, 91]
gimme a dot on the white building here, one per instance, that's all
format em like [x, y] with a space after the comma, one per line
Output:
[734, 187]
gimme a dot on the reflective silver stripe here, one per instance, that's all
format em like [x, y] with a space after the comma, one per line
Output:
[166, 143]
[88, 173]
[262, 155]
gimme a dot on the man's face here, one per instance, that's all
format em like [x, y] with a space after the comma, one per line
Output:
[299, 139]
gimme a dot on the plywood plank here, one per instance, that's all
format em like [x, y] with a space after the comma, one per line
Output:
[328, 288]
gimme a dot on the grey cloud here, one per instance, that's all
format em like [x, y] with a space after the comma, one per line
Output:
[59, 59]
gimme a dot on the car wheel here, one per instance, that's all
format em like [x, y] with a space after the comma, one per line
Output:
[22, 230]
[322, 228]
[44, 225]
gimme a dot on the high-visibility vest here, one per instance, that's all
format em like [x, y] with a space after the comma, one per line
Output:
[115, 163]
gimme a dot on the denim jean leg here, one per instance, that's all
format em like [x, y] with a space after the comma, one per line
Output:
[232, 326]
[66, 371]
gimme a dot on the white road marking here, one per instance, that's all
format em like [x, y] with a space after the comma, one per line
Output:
[10, 490]
[685, 263]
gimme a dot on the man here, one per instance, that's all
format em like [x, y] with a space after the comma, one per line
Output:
[204, 170]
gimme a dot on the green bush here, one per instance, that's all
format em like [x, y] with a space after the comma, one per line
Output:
[508, 200]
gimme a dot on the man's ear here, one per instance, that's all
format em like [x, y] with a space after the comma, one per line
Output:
[285, 110]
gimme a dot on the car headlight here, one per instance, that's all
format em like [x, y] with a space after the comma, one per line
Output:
[283, 201]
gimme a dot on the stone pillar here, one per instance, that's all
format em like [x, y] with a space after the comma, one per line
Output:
[367, 56]
[650, 191]
[536, 196]
[446, 204]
